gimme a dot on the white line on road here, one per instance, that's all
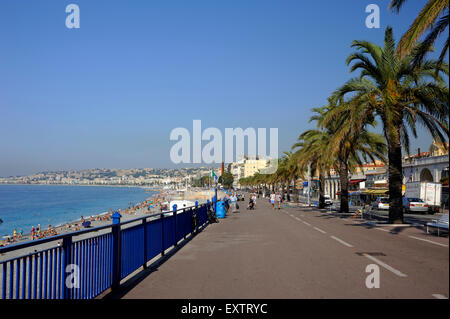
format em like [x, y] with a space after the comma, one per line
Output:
[429, 241]
[306, 223]
[386, 230]
[322, 231]
[379, 262]
[341, 241]
[439, 296]
[298, 219]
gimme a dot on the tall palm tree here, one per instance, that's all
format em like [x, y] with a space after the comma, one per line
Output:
[401, 94]
[427, 19]
[352, 144]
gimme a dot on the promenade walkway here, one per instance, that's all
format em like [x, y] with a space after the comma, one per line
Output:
[299, 253]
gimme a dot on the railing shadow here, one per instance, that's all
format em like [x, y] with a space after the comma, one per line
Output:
[135, 280]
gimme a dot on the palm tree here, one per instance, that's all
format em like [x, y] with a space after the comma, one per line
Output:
[352, 144]
[401, 94]
[294, 171]
[313, 144]
[427, 19]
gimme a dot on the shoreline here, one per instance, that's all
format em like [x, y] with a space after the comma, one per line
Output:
[149, 205]
[142, 208]
[96, 185]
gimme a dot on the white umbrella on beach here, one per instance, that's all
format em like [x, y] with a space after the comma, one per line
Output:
[7, 236]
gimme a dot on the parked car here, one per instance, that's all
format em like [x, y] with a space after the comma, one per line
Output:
[411, 205]
[381, 203]
[328, 200]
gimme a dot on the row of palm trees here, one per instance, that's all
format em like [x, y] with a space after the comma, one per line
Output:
[397, 86]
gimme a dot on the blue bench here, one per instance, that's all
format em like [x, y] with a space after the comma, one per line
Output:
[442, 223]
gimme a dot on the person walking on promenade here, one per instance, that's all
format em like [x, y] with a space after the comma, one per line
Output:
[15, 234]
[253, 197]
[272, 200]
[233, 200]
[32, 233]
[278, 200]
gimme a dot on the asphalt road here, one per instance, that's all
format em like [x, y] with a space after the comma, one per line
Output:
[300, 253]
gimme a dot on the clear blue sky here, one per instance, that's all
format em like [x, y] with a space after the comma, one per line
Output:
[108, 94]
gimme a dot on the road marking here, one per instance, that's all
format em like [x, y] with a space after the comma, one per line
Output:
[439, 296]
[306, 223]
[341, 241]
[386, 230]
[429, 241]
[298, 219]
[322, 231]
[395, 271]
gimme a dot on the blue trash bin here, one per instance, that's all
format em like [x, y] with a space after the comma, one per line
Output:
[220, 209]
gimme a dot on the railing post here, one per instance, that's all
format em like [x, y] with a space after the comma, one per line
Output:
[117, 262]
[196, 216]
[67, 260]
[162, 234]
[144, 224]
[174, 209]
[184, 230]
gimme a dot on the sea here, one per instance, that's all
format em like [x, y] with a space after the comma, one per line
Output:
[24, 206]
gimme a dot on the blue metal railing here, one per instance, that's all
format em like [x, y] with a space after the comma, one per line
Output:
[83, 268]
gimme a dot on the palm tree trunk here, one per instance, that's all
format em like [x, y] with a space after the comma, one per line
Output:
[343, 176]
[295, 190]
[288, 191]
[395, 180]
[321, 190]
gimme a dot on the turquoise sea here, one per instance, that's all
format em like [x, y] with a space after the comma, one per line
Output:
[24, 206]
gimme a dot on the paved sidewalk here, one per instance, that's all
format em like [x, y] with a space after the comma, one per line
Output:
[299, 253]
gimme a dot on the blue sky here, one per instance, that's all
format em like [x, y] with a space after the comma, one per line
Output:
[108, 94]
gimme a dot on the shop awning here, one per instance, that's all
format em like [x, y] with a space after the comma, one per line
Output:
[376, 191]
[356, 181]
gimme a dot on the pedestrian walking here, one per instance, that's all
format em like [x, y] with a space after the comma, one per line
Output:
[278, 200]
[233, 200]
[253, 197]
[272, 200]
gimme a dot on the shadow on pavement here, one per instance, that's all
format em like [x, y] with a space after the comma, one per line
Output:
[143, 274]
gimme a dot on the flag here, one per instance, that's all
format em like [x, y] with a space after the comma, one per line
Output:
[214, 175]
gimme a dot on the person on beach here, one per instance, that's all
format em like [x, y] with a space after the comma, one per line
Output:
[15, 233]
[272, 200]
[20, 233]
[32, 233]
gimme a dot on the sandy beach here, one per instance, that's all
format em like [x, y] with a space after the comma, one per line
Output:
[149, 206]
